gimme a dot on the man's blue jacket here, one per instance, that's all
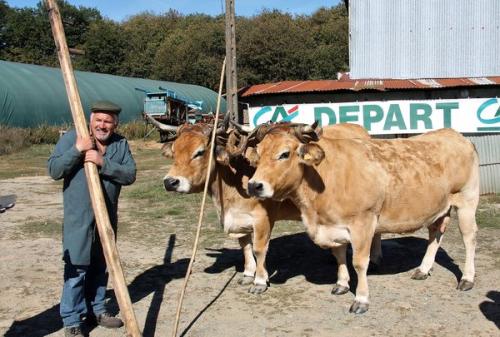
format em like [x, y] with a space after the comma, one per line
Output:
[79, 229]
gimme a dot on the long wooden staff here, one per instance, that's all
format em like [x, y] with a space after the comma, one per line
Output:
[106, 233]
[202, 208]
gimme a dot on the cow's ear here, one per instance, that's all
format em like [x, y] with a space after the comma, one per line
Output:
[167, 150]
[252, 156]
[221, 155]
[310, 154]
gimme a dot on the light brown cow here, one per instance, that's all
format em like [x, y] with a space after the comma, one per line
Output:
[241, 215]
[349, 190]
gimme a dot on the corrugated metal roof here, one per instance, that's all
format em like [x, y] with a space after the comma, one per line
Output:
[345, 83]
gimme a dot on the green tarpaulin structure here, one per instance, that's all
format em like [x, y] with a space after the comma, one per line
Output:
[32, 95]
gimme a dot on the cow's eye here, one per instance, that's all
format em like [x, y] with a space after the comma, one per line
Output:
[199, 153]
[284, 155]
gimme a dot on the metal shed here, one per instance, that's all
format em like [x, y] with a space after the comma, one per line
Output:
[32, 95]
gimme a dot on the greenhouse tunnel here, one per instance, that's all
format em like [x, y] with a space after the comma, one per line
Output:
[32, 95]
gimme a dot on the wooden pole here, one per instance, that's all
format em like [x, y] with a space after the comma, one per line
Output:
[231, 78]
[200, 218]
[106, 233]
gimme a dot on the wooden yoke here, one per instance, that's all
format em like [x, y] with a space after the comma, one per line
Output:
[96, 194]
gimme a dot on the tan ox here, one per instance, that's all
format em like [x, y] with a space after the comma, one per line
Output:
[241, 216]
[349, 190]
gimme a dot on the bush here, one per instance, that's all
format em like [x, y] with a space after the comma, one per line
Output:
[133, 130]
[14, 139]
[45, 134]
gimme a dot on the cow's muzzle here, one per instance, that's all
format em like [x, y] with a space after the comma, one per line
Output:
[255, 188]
[171, 184]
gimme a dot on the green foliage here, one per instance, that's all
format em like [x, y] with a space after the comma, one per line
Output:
[275, 46]
[271, 46]
[145, 32]
[26, 33]
[193, 52]
[105, 47]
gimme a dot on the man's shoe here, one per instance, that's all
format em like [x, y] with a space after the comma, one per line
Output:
[108, 321]
[73, 331]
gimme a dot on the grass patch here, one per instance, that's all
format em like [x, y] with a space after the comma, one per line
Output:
[30, 161]
[488, 212]
[42, 228]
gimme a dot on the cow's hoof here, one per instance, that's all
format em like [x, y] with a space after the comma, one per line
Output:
[465, 285]
[257, 289]
[358, 308]
[419, 275]
[245, 280]
[340, 289]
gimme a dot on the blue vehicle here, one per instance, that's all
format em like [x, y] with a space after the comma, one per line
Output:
[167, 107]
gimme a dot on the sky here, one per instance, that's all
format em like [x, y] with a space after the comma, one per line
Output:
[119, 10]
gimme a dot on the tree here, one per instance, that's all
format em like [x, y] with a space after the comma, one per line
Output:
[145, 32]
[4, 12]
[273, 47]
[27, 34]
[330, 28]
[193, 52]
[105, 48]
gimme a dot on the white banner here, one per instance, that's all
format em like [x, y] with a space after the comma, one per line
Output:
[391, 117]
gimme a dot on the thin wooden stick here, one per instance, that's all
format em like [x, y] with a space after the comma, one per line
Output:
[200, 218]
[106, 233]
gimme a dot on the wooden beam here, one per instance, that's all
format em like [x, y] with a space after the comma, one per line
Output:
[106, 233]
[231, 78]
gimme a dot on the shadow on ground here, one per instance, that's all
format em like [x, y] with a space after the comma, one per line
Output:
[491, 309]
[150, 281]
[296, 255]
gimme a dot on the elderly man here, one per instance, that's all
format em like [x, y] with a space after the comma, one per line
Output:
[85, 274]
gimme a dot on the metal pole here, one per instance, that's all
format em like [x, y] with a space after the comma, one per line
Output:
[106, 233]
[231, 79]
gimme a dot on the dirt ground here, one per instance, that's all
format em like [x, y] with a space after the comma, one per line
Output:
[298, 302]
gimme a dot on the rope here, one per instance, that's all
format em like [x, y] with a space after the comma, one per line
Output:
[197, 237]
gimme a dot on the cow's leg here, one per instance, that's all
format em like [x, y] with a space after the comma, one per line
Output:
[468, 228]
[362, 233]
[250, 265]
[262, 234]
[342, 285]
[375, 253]
[436, 231]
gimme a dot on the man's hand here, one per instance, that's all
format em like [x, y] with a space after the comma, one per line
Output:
[94, 157]
[84, 144]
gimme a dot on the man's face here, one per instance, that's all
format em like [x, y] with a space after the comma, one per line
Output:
[103, 125]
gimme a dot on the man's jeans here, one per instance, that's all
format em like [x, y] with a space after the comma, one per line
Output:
[84, 290]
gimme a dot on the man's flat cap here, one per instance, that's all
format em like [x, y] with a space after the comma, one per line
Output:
[105, 106]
